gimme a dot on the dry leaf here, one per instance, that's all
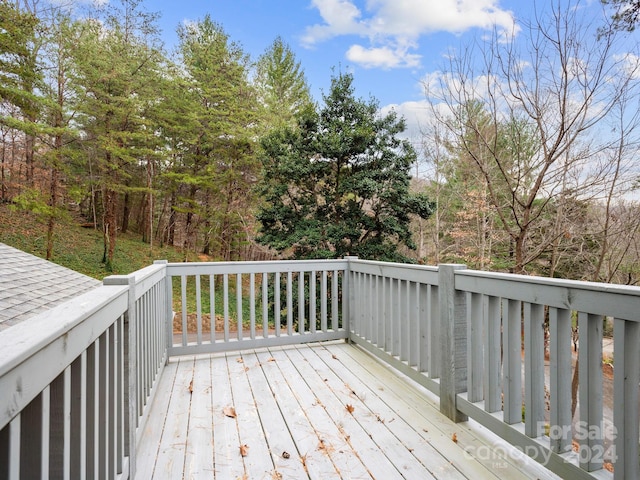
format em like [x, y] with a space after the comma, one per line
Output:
[191, 386]
[275, 475]
[230, 412]
[350, 408]
[286, 455]
[239, 360]
[271, 359]
[244, 450]
[454, 437]
[334, 357]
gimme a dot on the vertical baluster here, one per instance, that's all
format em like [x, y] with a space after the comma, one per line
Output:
[301, 302]
[396, 316]
[14, 447]
[424, 325]
[198, 311]
[289, 303]
[252, 305]
[58, 424]
[276, 302]
[626, 335]
[492, 354]
[475, 362]
[323, 302]
[512, 361]
[534, 369]
[560, 379]
[312, 301]
[183, 287]
[435, 345]
[265, 305]
[590, 391]
[212, 306]
[239, 316]
[225, 301]
[388, 313]
[45, 422]
[334, 300]
[378, 338]
[122, 396]
[414, 317]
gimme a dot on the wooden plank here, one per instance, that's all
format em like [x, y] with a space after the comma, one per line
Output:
[419, 408]
[377, 415]
[171, 451]
[330, 391]
[198, 462]
[151, 436]
[282, 448]
[226, 460]
[534, 369]
[257, 462]
[322, 448]
[512, 348]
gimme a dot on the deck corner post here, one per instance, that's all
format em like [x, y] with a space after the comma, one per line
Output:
[453, 341]
[130, 368]
[348, 297]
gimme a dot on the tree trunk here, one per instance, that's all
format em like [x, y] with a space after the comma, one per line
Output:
[126, 213]
[109, 227]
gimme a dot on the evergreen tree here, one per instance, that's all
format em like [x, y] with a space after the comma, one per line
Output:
[338, 184]
[116, 74]
[282, 87]
[219, 166]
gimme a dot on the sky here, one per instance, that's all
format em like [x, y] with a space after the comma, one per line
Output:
[390, 46]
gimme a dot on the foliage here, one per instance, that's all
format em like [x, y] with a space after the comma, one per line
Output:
[338, 184]
[281, 85]
[627, 13]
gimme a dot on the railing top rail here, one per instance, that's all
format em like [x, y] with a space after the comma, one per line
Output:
[404, 271]
[194, 268]
[59, 335]
[620, 301]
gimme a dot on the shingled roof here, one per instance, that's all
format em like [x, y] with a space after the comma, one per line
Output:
[30, 285]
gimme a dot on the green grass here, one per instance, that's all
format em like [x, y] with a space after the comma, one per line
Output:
[79, 248]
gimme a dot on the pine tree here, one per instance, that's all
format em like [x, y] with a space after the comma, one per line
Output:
[338, 184]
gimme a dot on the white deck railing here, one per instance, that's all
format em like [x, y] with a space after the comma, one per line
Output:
[476, 339]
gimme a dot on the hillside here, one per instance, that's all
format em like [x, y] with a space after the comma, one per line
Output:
[77, 247]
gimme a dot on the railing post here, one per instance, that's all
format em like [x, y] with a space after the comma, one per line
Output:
[131, 369]
[453, 341]
[348, 297]
[168, 313]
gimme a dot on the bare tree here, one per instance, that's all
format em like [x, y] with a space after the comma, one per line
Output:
[526, 116]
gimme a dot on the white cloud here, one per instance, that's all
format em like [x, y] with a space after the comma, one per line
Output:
[393, 27]
[382, 57]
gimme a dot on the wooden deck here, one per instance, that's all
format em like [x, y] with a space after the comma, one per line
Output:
[318, 412]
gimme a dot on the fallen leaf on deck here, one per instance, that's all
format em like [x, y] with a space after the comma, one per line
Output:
[286, 455]
[334, 357]
[271, 359]
[239, 360]
[230, 412]
[191, 386]
[350, 408]
[454, 437]
[244, 450]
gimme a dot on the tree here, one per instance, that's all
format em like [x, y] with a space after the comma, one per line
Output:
[531, 139]
[627, 13]
[281, 85]
[115, 75]
[20, 76]
[338, 184]
[219, 167]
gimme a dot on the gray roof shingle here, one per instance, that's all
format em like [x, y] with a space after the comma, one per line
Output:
[30, 285]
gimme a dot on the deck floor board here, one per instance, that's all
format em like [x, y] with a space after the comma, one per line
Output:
[325, 411]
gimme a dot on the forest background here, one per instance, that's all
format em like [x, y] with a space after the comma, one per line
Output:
[527, 156]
